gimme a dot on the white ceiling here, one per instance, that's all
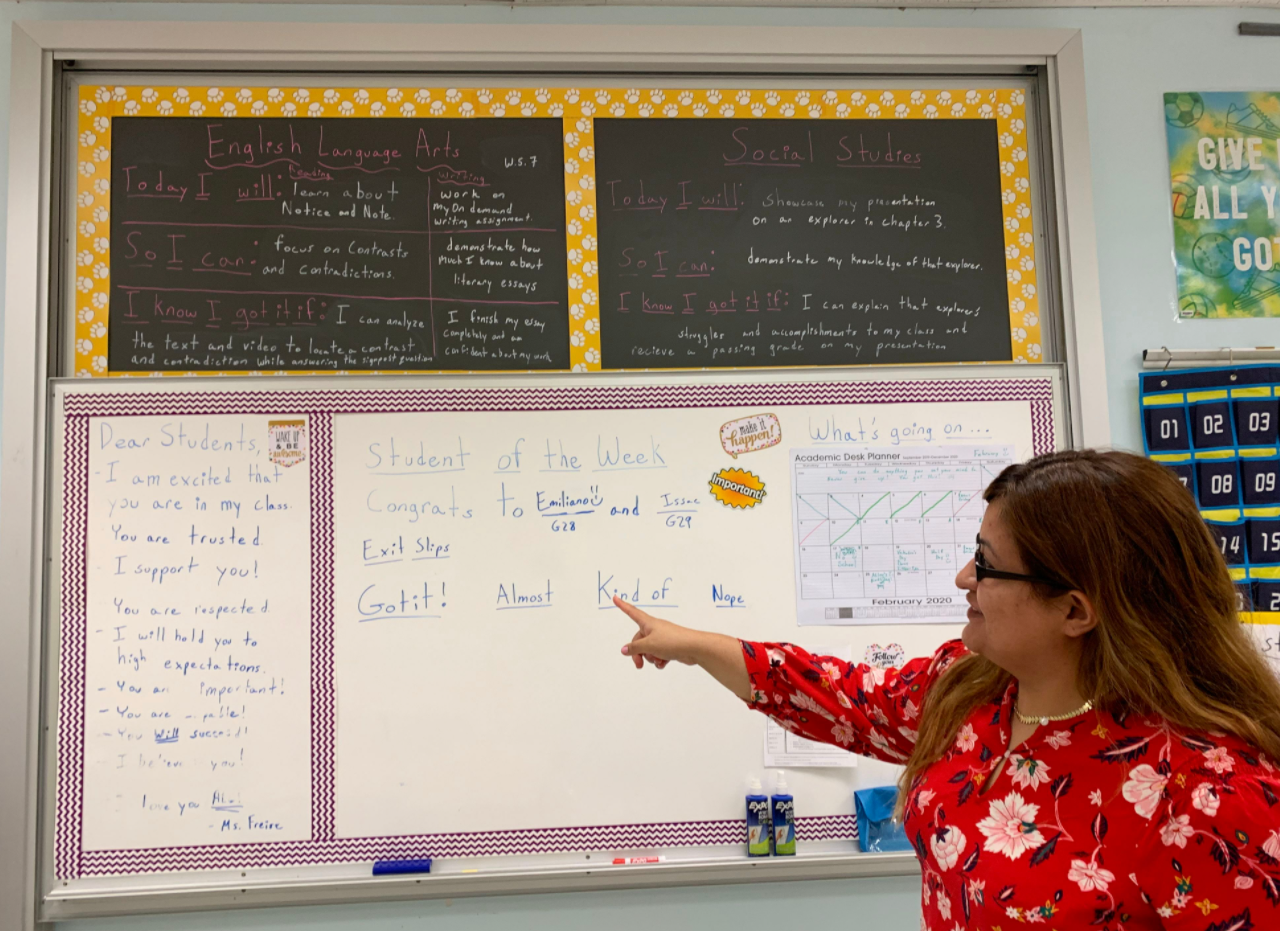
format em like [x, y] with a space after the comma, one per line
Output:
[1242, 5]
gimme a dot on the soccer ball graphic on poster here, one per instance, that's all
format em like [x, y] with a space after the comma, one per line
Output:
[1183, 110]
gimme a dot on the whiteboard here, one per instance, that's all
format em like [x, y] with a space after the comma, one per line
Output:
[303, 626]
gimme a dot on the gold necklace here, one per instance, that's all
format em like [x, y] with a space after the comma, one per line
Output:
[1045, 719]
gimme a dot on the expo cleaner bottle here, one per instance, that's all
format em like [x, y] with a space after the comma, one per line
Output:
[782, 814]
[757, 819]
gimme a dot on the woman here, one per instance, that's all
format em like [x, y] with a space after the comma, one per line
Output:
[1101, 749]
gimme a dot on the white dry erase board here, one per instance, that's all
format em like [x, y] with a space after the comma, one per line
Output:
[303, 626]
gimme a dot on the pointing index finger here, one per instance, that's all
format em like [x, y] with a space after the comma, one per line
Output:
[630, 610]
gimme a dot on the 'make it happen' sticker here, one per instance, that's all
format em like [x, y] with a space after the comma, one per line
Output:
[748, 434]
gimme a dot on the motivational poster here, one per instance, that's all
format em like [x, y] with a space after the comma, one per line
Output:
[1224, 162]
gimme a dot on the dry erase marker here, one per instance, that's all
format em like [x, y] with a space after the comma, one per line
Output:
[391, 867]
[632, 861]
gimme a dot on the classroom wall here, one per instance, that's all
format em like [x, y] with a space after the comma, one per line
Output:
[1132, 57]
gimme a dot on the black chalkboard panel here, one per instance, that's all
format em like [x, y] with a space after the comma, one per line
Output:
[790, 242]
[324, 245]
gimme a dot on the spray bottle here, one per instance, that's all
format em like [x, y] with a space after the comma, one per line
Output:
[757, 819]
[782, 814]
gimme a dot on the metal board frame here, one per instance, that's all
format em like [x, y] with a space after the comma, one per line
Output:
[31, 290]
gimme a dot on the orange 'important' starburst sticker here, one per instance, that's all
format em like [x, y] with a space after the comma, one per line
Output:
[737, 488]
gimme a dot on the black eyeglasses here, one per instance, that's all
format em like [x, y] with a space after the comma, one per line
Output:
[984, 571]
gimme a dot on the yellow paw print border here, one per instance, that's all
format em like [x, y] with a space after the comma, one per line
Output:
[579, 108]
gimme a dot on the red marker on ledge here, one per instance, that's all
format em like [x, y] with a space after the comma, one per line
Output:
[632, 861]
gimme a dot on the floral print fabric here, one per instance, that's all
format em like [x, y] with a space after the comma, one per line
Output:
[1099, 821]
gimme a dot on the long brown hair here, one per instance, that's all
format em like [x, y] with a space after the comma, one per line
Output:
[1122, 530]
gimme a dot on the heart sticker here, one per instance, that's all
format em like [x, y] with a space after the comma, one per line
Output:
[886, 657]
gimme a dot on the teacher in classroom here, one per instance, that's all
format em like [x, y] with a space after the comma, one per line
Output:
[1100, 748]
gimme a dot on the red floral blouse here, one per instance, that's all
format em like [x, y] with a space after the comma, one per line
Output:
[1097, 822]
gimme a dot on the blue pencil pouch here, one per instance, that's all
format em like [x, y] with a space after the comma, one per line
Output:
[877, 831]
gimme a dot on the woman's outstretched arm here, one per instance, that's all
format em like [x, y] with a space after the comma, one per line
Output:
[871, 711]
[660, 641]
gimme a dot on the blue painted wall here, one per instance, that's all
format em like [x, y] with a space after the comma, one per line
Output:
[1132, 57]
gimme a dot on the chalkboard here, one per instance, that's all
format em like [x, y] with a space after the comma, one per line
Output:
[337, 244]
[800, 242]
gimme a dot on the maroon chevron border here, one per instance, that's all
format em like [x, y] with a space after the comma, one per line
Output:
[617, 837]
[623, 397]
[71, 860]
[72, 629]
[323, 691]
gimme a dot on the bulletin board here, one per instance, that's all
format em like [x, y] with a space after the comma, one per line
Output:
[141, 299]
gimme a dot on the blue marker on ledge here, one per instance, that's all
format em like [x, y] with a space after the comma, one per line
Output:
[392, 867]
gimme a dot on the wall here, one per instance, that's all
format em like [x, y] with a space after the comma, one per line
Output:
[1132, 57]
[891, 904]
